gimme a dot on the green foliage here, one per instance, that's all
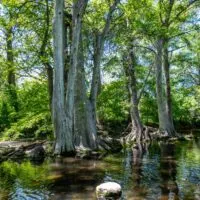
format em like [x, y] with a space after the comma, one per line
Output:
[36, 126]
[24, 109]
[12, 97]
[96, 17]
[34, 120]
[186, 106]
[147, 109]
[113, 102]
[33, 97]
[7, 107]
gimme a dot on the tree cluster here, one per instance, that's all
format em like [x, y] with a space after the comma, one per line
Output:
[87, 65]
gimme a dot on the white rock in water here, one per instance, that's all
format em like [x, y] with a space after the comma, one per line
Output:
[109, 190]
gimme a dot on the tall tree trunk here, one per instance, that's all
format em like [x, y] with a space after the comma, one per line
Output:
[78, 11]
[10, 58]
[137, 127]
[163, 88]
[166, 66]
[85, 134]
[43, 55]
[11, 70]
[164, 121]
[96, 76]
[99, 40]
[64, 138]
[67, 45]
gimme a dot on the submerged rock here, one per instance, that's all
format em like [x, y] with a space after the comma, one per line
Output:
[109, 190]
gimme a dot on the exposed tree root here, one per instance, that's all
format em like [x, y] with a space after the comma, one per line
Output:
[132, 135]
[145, 134]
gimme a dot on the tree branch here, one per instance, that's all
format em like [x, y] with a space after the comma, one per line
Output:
[183, 10]
[108, 19]
[182, 33]
[144, 47]
[177, 49]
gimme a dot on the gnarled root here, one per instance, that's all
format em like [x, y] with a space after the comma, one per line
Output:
[138, 135]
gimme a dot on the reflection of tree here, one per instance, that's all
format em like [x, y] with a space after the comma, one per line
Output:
[168, 172]
[138, 152]
[133, 166]
[76, 178]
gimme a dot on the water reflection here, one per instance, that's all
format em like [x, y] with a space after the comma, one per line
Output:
[159, 171]
[134, 163]
[168, 172]
[74, 179]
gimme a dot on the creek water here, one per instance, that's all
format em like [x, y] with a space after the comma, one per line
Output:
[161, 171]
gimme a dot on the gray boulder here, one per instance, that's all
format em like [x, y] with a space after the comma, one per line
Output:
[109, 190]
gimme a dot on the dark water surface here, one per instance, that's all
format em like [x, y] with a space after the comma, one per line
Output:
[165, 171]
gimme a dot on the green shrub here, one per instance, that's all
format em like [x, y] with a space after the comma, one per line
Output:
[33, 117]
[32, 126]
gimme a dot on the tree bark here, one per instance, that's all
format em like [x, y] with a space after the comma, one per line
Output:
[78, 11]
[166, 66]
[165, 124]
[96, 76]
[64, 138]
[163, 88]
[85, 133]
[67, 45]
[10, 58]
[99, 40]
[137, 127]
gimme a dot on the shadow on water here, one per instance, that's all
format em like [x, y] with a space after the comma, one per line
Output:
[147, 171]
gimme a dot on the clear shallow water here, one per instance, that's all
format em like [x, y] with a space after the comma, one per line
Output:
[164, 171]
